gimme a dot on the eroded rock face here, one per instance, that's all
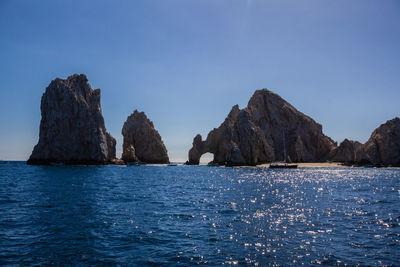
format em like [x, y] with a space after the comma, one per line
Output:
[383, 147]
[72, 129]
[141, 141]
[349, 152]
[256, 135]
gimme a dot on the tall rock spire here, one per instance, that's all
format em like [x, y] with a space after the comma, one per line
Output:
[72, 129]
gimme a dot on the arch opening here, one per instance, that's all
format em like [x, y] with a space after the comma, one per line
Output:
[206, 158]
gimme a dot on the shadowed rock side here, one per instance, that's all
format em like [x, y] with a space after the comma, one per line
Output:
[349, 152]
[72, 127]
[381, 149]
[255, 135]
[141, 141]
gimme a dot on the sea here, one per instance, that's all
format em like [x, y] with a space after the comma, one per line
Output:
[198, 215]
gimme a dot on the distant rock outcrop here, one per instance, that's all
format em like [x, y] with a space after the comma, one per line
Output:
[256, 135]
[141, 141]
[349, 152]
[72, 128]
[383, 147]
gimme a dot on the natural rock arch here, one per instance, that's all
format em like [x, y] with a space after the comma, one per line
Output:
[253, 135]
[199, 148]
[206, 158]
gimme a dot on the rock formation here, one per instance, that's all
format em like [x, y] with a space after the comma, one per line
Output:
[141, 141]
[72, 127]
[349, 152]
[381, 149]
[258, 134]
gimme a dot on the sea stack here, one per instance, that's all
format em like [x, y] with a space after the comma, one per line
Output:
[142, 142]
[261, 133]
[72, 129]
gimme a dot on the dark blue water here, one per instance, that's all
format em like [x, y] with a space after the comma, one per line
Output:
[187, 215]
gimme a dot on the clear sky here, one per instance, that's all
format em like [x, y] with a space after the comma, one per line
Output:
[186, 63]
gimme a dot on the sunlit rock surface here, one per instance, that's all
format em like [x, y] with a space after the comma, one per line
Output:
[257, 134]
[72, 129]
[142, 142]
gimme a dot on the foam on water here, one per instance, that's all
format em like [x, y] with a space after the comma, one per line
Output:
[188, 215]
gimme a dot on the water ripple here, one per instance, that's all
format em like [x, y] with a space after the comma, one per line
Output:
[187, 215]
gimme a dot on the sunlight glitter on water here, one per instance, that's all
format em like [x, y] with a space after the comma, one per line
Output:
[190, 215]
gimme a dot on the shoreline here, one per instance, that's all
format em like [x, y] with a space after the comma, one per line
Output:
[265, 165]
[313, 165]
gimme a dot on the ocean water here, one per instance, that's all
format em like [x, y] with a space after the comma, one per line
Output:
[189, 215]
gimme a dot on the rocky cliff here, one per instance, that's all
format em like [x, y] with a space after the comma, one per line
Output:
[381, 149]
[72, 129]
[141, 141]
[349, 152]
[258, 134]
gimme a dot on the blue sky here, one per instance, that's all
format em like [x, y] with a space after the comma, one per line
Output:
[186, 63]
